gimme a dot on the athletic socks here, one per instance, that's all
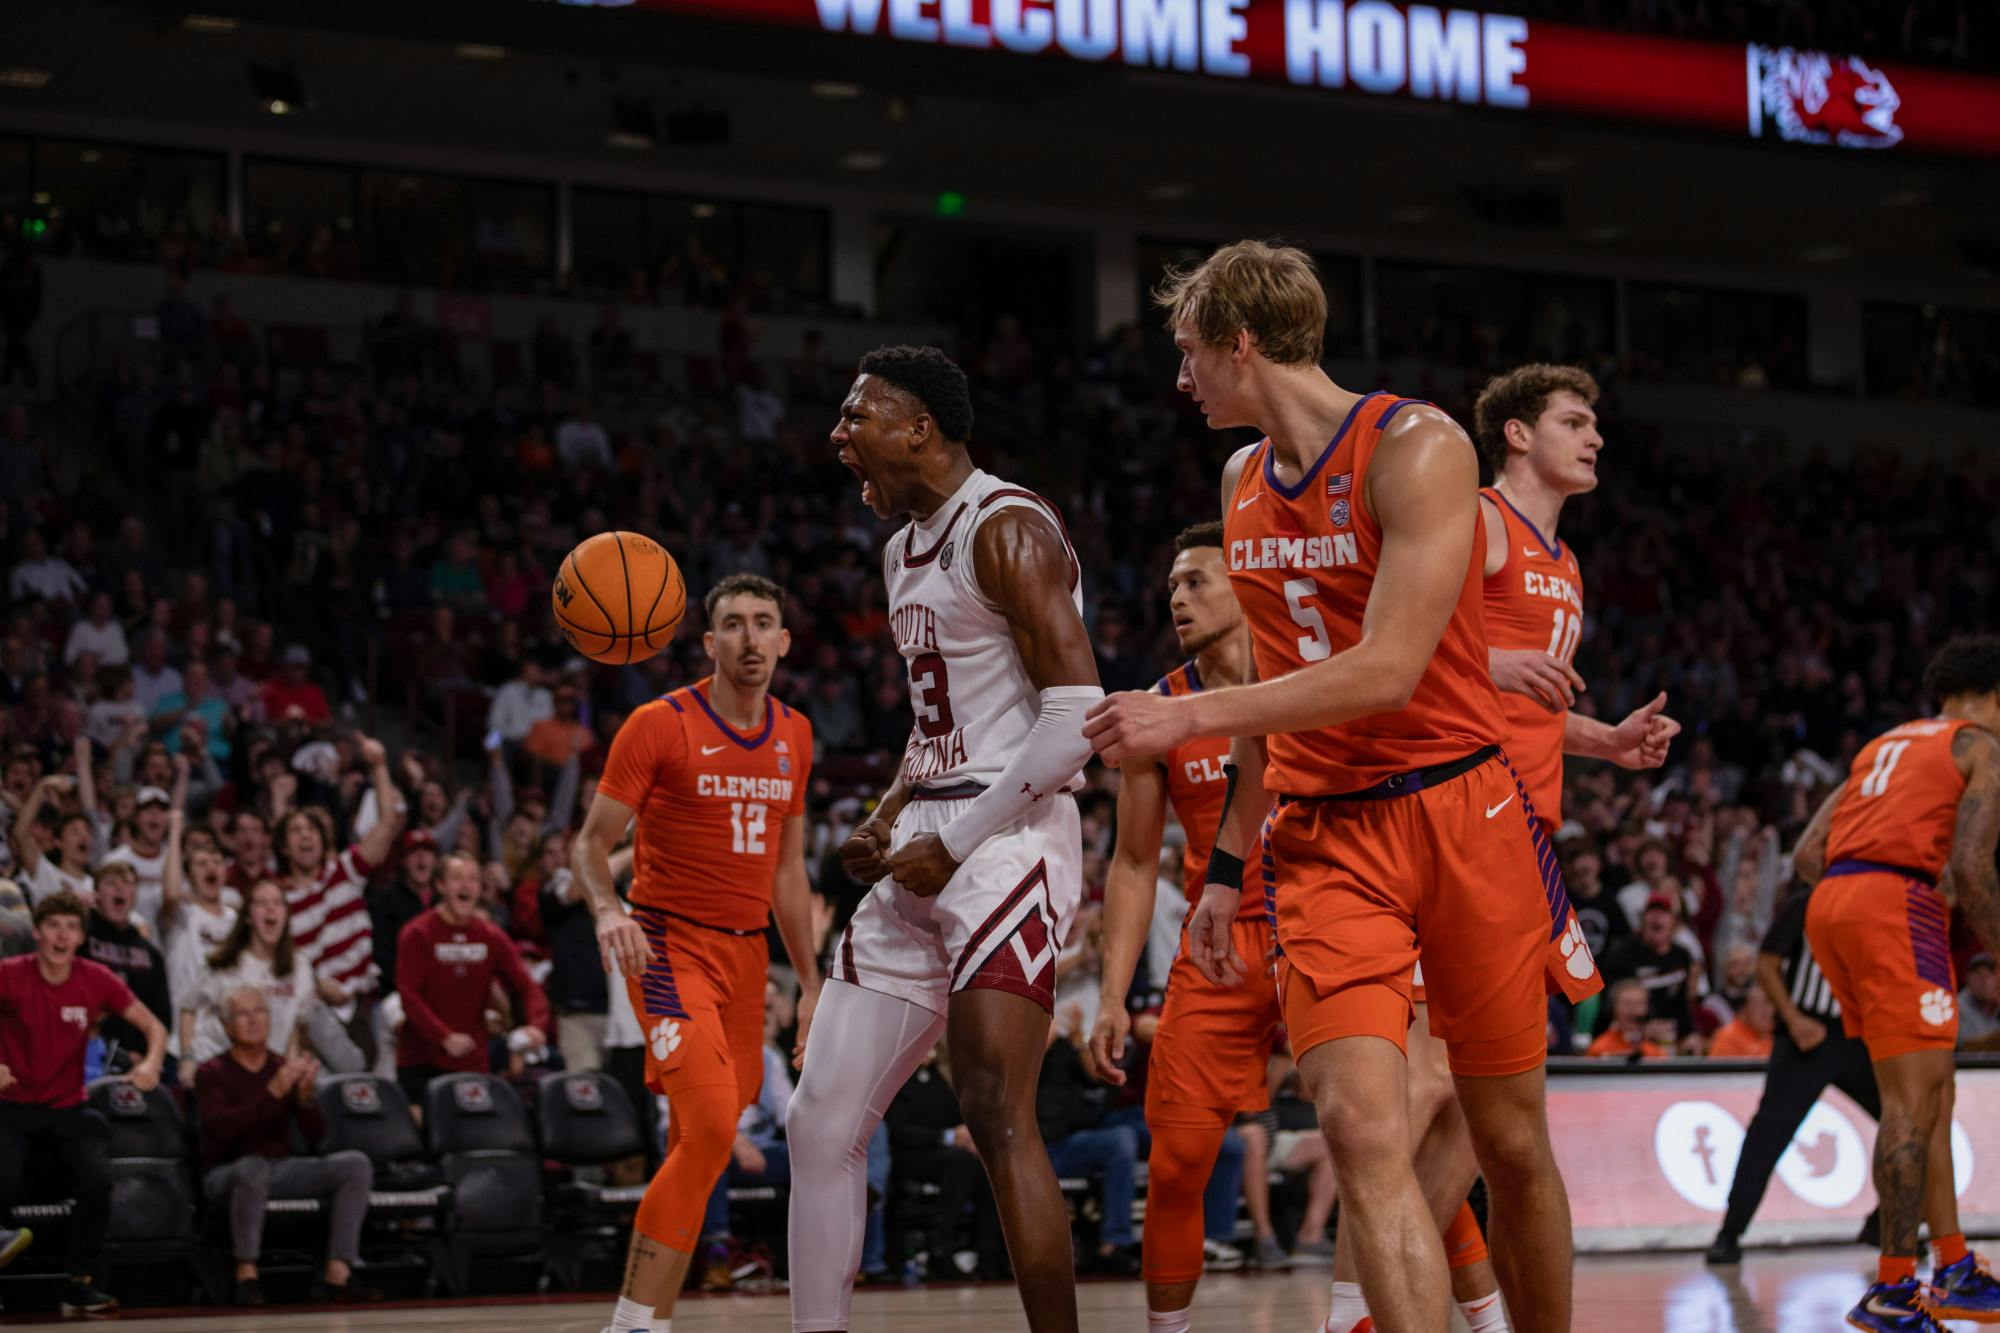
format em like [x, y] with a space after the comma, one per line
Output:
[1170, 1321]
[1897, 1268]
[1950, 1249]
[632, 1317]
[1349, 1309]
[1485, 1315]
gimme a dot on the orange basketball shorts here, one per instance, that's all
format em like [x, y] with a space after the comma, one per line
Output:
[1214, 1042]
[1418, 994]
[1883, 940]
[1457, 870]
[700, 1005]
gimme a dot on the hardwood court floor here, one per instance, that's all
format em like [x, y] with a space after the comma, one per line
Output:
[1800, 1291]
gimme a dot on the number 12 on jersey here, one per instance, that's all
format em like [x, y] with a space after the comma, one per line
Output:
[746, 827]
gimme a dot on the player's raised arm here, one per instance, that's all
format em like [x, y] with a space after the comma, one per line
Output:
[1024, 568]
[1131, 883]
[1973, 874]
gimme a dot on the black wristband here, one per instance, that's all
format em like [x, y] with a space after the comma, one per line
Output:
[1225, 870]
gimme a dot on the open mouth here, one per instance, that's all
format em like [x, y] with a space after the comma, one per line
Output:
[1182, 624]
[868, 491]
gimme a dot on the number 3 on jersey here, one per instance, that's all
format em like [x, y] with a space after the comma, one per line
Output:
[930, 695]
[746, 827]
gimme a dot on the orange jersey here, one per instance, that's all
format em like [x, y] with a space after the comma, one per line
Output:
[1534, 602]
[1901, 802]
[712, 804]
[1302, 562]
[1195, 787]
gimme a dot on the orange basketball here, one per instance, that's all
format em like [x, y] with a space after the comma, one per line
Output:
[618, 597]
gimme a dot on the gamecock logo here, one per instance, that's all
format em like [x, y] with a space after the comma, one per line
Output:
[1816, 97]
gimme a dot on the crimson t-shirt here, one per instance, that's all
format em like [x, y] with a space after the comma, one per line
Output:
[43, 1028]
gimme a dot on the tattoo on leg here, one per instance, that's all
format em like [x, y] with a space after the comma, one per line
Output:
[1901, 1159]
[645, 1252]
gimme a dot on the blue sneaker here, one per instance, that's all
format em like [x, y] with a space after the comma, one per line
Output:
[1965, 1290]
[1895, 1308]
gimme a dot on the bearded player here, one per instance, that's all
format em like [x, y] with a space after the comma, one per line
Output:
[716, 775]
[1353, 542]
[975, 851]
[1213, 1042]
[1920, 805]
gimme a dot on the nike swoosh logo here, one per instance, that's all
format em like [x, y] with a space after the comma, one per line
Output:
[1529, 551]
[718, 749]
[1486, 1304]
[1245, 504]
[1493, 810]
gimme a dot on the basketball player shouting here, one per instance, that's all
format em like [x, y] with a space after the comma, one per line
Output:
[975, 851]
[716, 775]
[1351, 533]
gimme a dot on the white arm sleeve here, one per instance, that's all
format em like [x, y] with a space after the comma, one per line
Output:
[1054, 752]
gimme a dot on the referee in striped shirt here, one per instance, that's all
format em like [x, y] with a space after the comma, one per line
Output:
[1809, 1051]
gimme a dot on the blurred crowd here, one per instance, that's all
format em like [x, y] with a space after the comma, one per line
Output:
[278, 559]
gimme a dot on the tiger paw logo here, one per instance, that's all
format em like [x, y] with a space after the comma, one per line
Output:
[665, 1038]
[1576, 950]
[1936, 1007]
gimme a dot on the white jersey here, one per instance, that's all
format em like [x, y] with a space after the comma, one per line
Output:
[973, 701]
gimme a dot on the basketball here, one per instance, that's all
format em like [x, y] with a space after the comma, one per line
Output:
[618, 597]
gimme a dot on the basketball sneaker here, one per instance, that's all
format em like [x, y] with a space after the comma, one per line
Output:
[1966, 1290]
[1895, 1308]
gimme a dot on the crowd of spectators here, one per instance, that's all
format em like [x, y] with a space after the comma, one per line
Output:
[302, 547]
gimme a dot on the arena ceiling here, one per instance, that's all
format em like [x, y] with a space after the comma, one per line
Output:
[539, 81]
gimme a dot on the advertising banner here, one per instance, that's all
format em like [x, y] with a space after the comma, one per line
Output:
[1432, 53]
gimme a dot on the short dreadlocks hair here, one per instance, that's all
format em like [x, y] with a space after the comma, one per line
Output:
[930, 377]
[1968, 664]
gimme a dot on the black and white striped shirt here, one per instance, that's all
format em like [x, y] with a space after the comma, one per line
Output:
[1807, 984]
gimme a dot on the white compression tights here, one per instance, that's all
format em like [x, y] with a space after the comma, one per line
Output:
[862, 1048]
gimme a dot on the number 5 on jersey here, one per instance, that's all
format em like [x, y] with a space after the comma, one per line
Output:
[1315, 645]
[746, 827]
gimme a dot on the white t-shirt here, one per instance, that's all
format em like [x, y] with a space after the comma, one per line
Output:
[197, 933]
[292, 1000]
[50, 878]
[152, 873]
